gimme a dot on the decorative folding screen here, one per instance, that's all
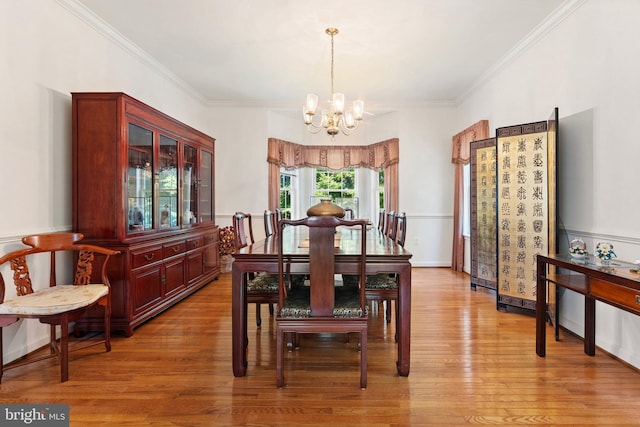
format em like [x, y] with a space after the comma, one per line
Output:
[526, 207]
[483, 213]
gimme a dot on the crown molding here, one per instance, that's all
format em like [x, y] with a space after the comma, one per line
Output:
[541, 30]
[103, 28]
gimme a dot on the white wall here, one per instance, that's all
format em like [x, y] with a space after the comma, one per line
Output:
[588, 64]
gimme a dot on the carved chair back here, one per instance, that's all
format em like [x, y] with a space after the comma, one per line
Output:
[242, 221]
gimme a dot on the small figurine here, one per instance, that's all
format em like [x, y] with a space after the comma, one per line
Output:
[578, 249]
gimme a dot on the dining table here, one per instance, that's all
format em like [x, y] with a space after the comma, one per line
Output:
[384, 255]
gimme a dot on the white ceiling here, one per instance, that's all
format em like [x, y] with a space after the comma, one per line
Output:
[273, 52]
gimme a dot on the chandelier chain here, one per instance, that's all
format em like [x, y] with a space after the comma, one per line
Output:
[332, 91]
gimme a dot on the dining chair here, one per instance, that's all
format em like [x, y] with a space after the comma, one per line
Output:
[382, 286]
[321, 307]
[242, 221]
[39, 296]
[270, 223]
[348, 213]
[389, 223]
[381, 217]
[262, 288]
[401, 225]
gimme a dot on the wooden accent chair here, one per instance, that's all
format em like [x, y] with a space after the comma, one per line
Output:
[56, 304]
[322, 306]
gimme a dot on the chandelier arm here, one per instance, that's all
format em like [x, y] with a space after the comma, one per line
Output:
[313, 129]
[348, 131]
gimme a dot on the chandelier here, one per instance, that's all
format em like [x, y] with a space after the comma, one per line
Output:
[335, 119]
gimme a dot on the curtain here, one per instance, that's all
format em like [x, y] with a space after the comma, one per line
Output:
[460, 154]
[383, 155]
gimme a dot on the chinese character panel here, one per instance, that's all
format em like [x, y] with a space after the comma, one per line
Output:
[483, 193]
[522, 212]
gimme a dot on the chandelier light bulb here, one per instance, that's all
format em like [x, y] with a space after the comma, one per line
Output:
[338, 103]
[358, 109]
[311, 105]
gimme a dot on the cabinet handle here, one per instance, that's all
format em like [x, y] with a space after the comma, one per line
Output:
[175, 249]
[149, 257]
[638, 299]
[195, 244]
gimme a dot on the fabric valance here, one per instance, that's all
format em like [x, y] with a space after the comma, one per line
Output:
[461, 150]
[376, 156]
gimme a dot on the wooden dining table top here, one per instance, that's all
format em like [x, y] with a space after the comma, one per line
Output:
[347, 242]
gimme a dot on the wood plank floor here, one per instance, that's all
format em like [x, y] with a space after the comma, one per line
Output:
[470, 364]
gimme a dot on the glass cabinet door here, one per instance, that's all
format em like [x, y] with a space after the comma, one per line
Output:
[190, 214]
[140, 179]
[168, 182]
[206, 186]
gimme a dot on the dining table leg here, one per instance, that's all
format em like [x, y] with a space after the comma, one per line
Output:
[404, 317]
[239, 323]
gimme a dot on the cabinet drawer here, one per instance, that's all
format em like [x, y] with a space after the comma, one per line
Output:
[210, 238]
[147, 256]
[195, 243]
[173, 248]
[626, 297]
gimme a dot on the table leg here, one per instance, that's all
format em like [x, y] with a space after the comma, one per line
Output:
[541, 307]
[404, 317]
[589, 326]
[238, 322]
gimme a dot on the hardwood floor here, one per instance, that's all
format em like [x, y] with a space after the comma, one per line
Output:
[470, 364]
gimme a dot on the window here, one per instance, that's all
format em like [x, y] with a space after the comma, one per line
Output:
[286, 193]
[335, 184]
[359, 189]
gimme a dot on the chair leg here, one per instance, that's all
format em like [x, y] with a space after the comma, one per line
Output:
[271, 310]
[52, 339]
[1, 359]
[258, 317]
[107, 326]
[395, 303]
[64, 348]
[388, 305]
[363, 359]
[279, 357]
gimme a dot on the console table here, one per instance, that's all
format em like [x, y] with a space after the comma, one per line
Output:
[617, 285]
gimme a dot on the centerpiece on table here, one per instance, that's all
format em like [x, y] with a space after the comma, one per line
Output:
[578, 249]
[605, 252]
[227, 242]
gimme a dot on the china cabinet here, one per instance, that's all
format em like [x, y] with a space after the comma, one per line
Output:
[143, 184]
